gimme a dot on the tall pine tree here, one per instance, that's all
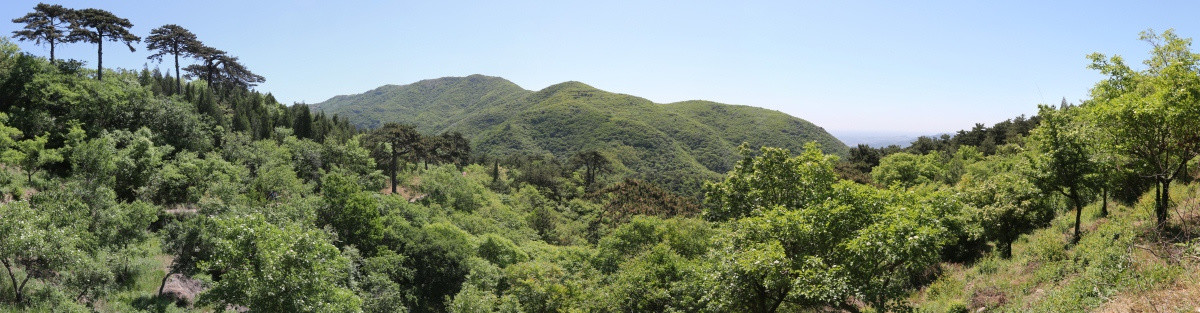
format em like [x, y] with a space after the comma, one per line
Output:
[47, 23]
[174, 40]
[97, 26]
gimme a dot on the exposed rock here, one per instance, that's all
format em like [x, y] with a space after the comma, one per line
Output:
[182, 289]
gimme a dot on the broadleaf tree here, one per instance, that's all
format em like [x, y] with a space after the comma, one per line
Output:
[802, 240]
[1153, 114]
[1062, 159]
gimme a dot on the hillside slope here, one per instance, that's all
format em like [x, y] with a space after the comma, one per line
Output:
[1121, 264]
[678, 145]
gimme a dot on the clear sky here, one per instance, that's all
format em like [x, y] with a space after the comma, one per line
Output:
[931, 67]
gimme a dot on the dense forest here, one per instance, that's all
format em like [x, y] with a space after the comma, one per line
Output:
[143, 191]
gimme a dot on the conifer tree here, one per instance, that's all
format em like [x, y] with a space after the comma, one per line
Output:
[47, 23]
[97, 26]
[174, 40]
[392, 141]
[302, 125]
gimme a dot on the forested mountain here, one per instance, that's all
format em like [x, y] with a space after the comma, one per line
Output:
[677, 145]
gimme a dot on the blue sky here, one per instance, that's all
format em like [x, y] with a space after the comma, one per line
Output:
[928, 67]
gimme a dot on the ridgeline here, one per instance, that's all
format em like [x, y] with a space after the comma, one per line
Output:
[676, 145]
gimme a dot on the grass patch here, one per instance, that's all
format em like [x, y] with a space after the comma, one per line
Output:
[1121, 260]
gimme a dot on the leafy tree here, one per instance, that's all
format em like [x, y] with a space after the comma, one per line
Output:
[352, 213]
[657, 280]
[655, 265]
[957, 164]
[97, 26]
[446, 185]
[437, 255]
[822, 244]
[774, 178]
[907, 170]
[385, 282]
[90, 275]
[136, 161]
[124, 224]
[30, 240]
[188, 178]
[540, 286]
[1003, 200]
[189, 242]
[8, 142]
[47, 22]
[352, 157]
[1113, 167]
[121, 227]
[1062, 160]
[93, 160]
[274, 175]
[392, 142]
[272, 268]
[500, 251]
[174, 40]
[32, 154]
[689, 238]
[1152, 114]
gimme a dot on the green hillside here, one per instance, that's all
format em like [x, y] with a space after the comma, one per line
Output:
[678, 145]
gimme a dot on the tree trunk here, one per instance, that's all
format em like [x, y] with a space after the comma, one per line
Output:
[100, 56]
[51, 51]
[163, 285]
[848, 307]
[1006, 249]
[591, 175]
[1104, 202]
[775, 306]
[1078, 214]
[13, 279]
[1157, 199]
[20, 289]
[393, 172]
[1160, 210]
[178, 81]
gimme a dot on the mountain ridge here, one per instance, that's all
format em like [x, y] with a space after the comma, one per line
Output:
[678, 144]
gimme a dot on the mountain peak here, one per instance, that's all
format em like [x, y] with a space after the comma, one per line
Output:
[569, 85]
[673, 145]
[456, 80]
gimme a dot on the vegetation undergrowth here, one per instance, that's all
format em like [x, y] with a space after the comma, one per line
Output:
[1122, 263]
